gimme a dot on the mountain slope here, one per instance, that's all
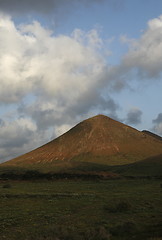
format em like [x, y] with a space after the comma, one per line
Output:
[98, 140]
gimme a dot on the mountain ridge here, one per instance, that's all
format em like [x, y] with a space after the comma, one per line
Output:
[152, 134]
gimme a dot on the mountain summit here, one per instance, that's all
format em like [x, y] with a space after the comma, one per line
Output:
[97, 140]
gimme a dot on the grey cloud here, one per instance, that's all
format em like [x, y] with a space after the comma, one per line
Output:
[157, 124]
[44, 118]
[16, 134]
[26, 5]
[18, 137]
[18, 141]
[41, 6]
[46, 115]
[158, 119]
[93, 100]
[1, 122]
[134, 116]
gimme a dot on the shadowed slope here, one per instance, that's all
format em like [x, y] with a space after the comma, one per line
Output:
[151, 166]
[99, 140]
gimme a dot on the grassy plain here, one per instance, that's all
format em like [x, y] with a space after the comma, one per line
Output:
[81, 210]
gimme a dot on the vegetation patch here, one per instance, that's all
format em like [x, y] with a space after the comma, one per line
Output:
[81, 210]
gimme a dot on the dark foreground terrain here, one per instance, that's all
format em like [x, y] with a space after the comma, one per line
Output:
[81, 209]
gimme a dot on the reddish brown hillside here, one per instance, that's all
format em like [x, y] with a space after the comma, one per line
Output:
[99, 140]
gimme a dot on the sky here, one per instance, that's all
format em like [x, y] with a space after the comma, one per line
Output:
[62, 61]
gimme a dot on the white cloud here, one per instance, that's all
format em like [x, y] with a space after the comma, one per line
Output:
[34, 60]
[145, 54]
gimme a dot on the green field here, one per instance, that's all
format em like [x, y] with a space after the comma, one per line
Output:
[81, 210]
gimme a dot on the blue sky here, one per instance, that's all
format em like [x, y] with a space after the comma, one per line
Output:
[64, 61]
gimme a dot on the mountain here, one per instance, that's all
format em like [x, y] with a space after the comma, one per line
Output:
[93, 144]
